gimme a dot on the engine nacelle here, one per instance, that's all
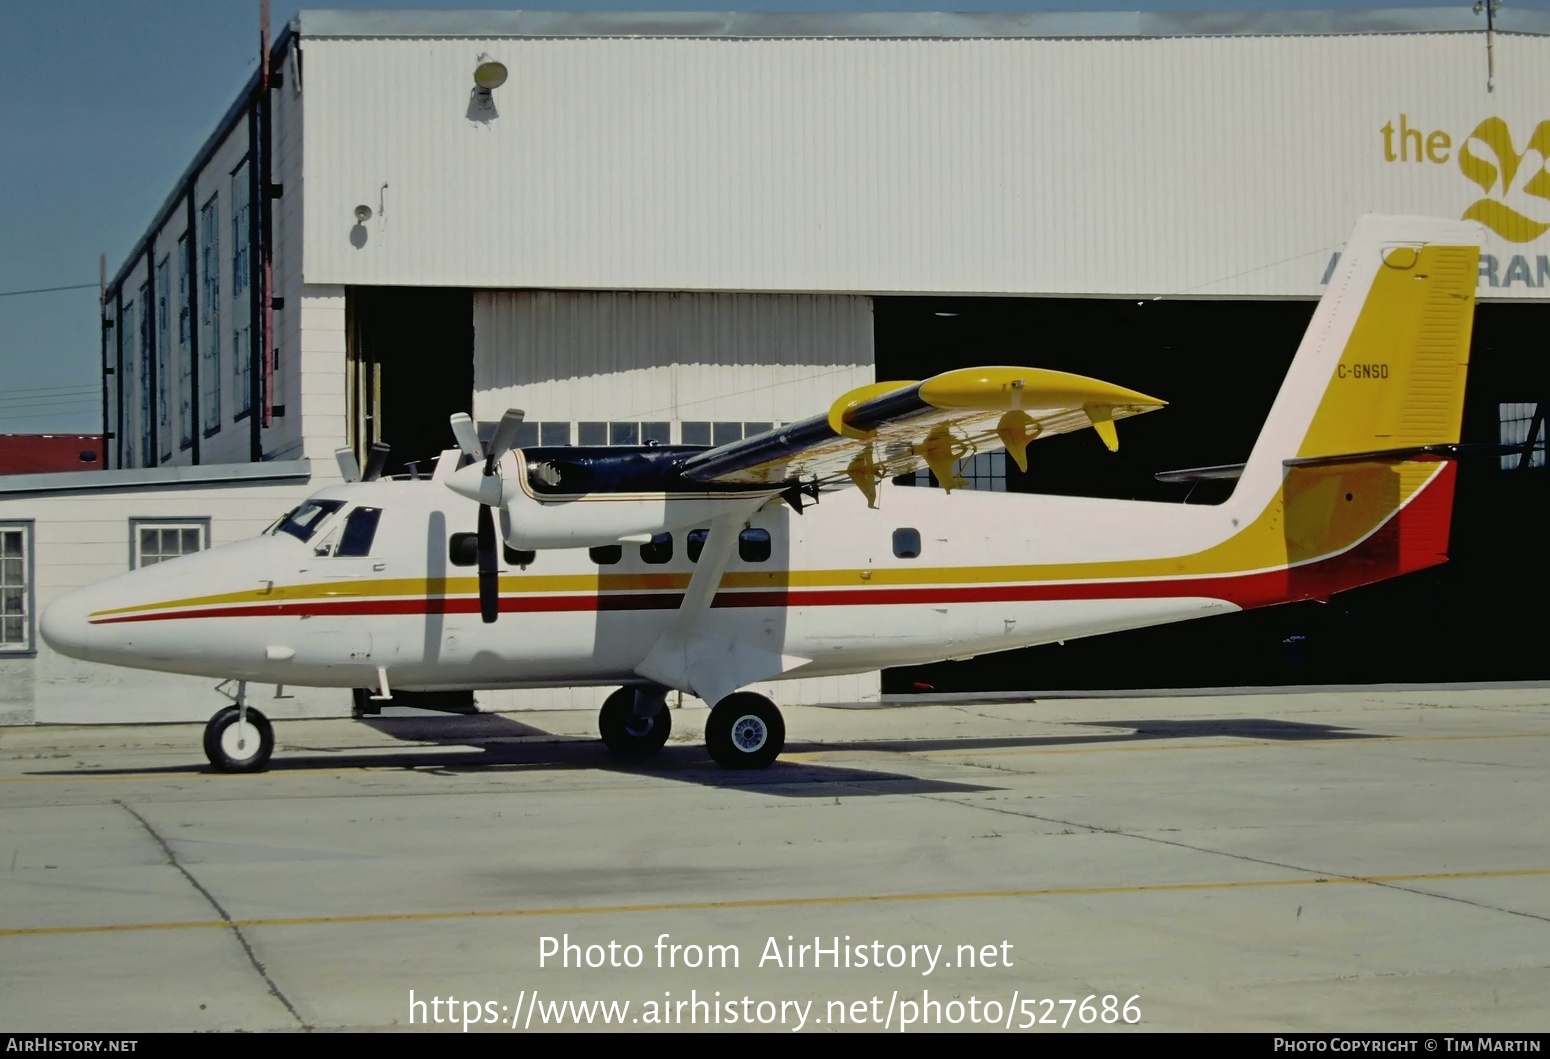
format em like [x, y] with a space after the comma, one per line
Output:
[579, 498]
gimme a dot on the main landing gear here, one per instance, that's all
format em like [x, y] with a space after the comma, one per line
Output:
[239, 738]
[635, 721]
[745, 731]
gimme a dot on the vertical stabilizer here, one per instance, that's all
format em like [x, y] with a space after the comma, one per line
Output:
[1383, 362]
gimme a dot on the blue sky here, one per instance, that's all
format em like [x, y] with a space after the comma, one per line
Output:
[103, 103]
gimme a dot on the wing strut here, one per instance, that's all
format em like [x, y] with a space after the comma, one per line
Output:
[690, 655]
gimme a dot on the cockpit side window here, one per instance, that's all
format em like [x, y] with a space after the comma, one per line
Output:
[305, 520]
[360, 527]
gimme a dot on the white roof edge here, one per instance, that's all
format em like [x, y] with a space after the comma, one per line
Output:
[908, 24]
[153, 477]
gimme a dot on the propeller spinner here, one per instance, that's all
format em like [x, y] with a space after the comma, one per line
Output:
[480, 481]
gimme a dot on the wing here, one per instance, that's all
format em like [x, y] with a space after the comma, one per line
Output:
[893, 428]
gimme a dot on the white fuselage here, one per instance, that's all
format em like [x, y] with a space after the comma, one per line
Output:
[832, 595]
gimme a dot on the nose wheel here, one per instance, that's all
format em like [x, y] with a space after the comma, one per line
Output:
[239, 739]
[745, 731]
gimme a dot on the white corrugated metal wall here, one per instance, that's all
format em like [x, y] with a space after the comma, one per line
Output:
[644, 356]
[1202, 166]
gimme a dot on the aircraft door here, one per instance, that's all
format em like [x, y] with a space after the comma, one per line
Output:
[354, 575]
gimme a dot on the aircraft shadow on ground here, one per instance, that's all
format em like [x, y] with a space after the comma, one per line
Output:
[494, 742]
[507, 743]
[1253, 728]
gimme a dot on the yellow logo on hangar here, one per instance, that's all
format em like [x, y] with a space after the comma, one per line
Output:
[1488, 157]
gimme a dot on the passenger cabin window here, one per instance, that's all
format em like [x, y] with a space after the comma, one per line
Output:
[696, 544]
[305, 520]
[906, 543]
[360, 528]
[659, 551]
[463, 549]
[753, 545]
[607, 554]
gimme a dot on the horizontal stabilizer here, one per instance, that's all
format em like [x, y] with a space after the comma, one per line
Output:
[1413, 452]
[1232, 471]
[1222, 473]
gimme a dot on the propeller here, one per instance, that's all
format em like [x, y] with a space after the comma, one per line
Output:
[483, 484]
[376, 460]
[350, 468]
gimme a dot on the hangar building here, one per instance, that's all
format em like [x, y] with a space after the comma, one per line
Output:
[688, 226]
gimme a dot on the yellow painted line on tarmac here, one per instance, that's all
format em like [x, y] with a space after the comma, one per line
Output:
[774, 902]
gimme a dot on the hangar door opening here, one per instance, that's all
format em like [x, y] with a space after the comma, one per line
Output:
[1219, 365]
[411, 365]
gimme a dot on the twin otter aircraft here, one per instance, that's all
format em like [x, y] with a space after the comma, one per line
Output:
[698, 569]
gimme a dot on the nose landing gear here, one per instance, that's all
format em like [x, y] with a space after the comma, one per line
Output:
[239, 738]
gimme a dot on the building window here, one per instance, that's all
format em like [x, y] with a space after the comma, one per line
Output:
[529, 434]
[155, 540]
[701, 433]
[129, 388]
[15, 587]
[1522, 423]
[147, 320]
[984, 471]
[210, 317]
[163, 360]
[241, 294]
[185, 361]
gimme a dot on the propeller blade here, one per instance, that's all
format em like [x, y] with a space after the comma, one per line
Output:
[489, 570]
[505, 434]
[467, 435]
[376, 459]
[349, 466]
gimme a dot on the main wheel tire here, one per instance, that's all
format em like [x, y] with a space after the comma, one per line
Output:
[233, 746]
[745, 731]
[629, 735]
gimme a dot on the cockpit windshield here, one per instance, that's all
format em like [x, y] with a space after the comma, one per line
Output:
[305, 520]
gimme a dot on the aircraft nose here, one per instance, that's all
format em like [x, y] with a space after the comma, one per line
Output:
[64, 626]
